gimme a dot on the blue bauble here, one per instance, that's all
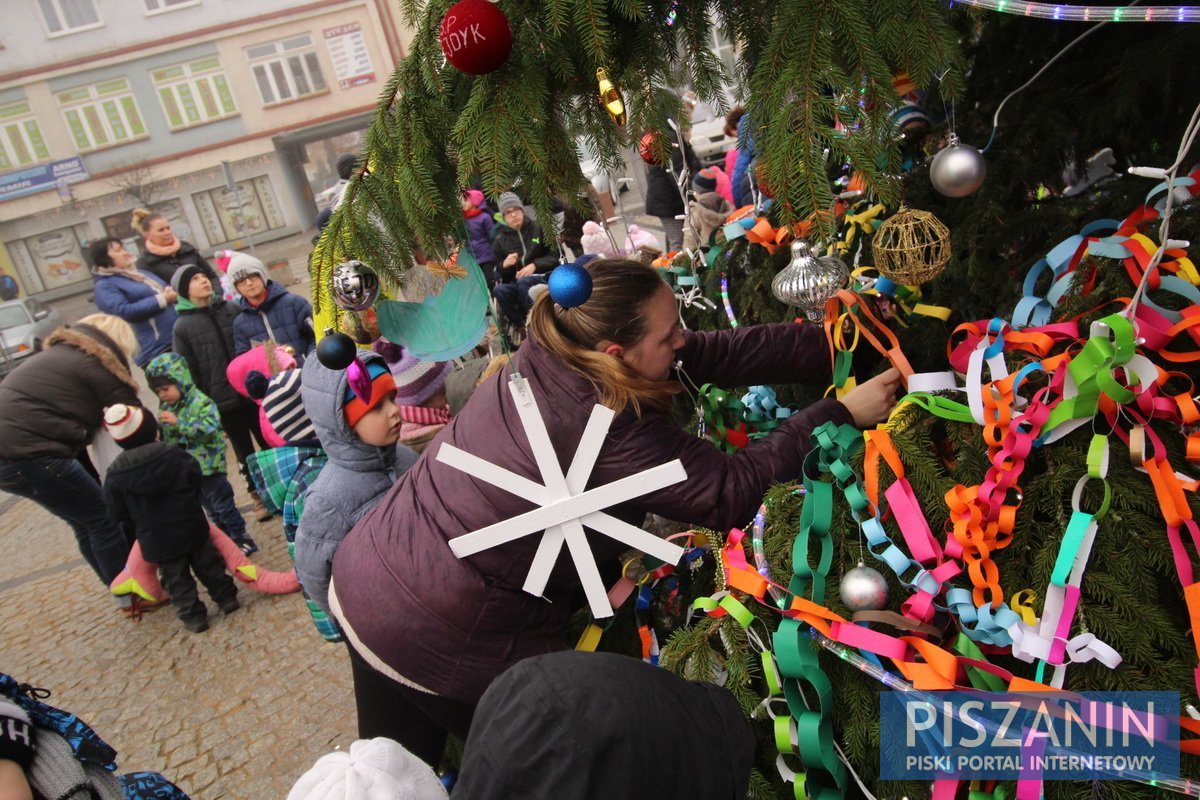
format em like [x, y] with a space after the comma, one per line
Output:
[336, 351]
[570, 285]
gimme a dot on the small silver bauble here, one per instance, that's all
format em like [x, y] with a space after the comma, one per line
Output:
[354, 285]
[864, 589]
[958, 170]
[808, 282]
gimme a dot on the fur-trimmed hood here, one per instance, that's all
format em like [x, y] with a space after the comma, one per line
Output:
[52, 404]
[96, 344]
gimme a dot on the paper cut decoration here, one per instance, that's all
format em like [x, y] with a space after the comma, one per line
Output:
[445, 326]
[565, 505]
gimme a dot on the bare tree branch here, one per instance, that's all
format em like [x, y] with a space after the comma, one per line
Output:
[140, 181]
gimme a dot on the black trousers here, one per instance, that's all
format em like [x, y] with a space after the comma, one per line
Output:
[241, 426]
[206, 562]
[417, 720]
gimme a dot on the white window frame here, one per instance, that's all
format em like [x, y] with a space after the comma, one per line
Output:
[13, 117]
[277, 67]
[166, 6]
[194, 79]
[103, 105]
[61, 19]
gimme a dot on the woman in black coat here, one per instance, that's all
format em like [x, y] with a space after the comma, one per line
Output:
[50, 408]
[662, 194]
[164, 253]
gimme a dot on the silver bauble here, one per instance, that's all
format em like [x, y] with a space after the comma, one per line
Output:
[807, 282]
[864, 589]
[354, 285]
[958, 170]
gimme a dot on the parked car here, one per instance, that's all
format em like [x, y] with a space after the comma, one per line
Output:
[24, 325]
[709, 141]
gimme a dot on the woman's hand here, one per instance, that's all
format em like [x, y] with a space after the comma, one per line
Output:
[172, 295]
[871, 402]
[526, 270]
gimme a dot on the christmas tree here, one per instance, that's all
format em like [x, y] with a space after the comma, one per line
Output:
[820, 83]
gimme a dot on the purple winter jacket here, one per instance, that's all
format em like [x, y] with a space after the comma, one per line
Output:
[479, 232]
[451, 626]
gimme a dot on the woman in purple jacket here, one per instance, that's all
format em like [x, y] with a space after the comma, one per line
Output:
[436, 630]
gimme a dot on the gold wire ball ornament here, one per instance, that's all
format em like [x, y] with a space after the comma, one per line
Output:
[911, 247]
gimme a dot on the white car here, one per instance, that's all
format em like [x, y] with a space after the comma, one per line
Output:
[25, 324]
[708, 138]
[709, 141]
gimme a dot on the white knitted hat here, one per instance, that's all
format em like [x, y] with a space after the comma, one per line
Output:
[373, 769]
[130, 426]
[242, 266]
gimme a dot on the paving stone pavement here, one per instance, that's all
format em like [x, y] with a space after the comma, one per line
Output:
[240, 711]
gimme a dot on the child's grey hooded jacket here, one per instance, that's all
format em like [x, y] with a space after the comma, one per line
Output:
[349, 486]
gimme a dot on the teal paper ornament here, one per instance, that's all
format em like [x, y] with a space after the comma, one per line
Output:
[570, 285]
[445, 326]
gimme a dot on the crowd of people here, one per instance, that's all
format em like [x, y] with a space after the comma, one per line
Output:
[438, 646]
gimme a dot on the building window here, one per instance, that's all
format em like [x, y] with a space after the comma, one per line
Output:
[159, 6]
[248, 210]
[68, 16]
[51, 259]
[101, 115]
[21, 141]
[194, 93]
[286, 70]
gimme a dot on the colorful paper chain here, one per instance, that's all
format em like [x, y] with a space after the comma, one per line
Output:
[1109, 379]
[733, 423]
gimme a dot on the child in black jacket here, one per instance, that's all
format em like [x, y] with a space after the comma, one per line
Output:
[155, 487]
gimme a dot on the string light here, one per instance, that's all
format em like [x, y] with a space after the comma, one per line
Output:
[1067, 13]
[733, 323]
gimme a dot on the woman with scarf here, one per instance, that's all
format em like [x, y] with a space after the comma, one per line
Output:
[164, 252]
[139, 298]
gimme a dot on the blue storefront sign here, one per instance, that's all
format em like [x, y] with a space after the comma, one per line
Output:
[42, 177]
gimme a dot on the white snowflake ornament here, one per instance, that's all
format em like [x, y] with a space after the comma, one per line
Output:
[564, 505]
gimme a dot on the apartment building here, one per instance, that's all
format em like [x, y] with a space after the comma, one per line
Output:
[226, 116]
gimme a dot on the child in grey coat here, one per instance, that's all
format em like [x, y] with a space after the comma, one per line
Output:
[361, 440]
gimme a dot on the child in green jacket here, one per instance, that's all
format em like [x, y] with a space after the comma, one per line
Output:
[189, 418]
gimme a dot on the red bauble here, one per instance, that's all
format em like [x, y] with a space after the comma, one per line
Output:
[475, 36]
[646, 149]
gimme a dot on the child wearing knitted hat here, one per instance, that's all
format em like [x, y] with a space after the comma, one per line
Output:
[360, 435]
[269, 312]
[479, 231]
[707, 210]
[421, 398]
[154, 487]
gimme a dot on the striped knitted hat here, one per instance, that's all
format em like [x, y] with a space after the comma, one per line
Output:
[285, 409]
[417, 380]
[382, 385]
